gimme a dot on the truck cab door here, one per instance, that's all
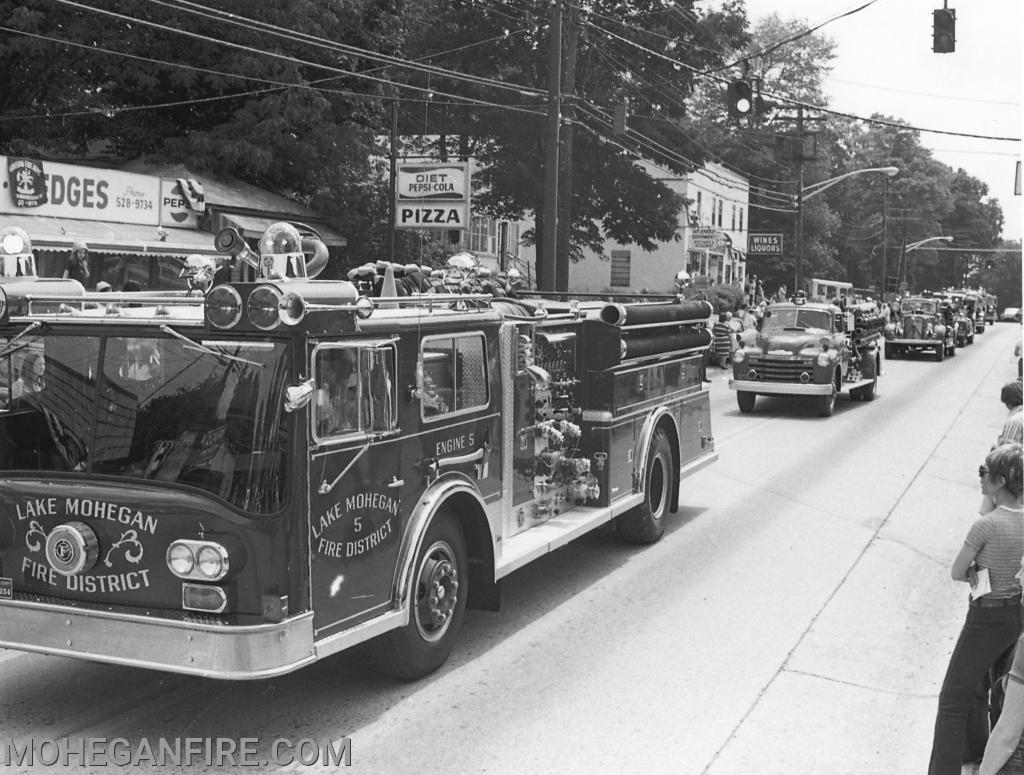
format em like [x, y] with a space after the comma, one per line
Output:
[356, 485]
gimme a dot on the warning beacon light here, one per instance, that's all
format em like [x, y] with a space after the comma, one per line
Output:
[18, 260]
[281, 255]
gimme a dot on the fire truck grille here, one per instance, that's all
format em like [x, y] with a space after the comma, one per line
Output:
[913, 327]
[780, 369]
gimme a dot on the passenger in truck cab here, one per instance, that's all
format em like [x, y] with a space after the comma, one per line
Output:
[30, 376]
[337, 395]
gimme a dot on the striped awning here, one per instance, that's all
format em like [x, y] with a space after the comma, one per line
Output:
[48, 233]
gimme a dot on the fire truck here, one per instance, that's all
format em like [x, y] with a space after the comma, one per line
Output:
[811, 348]
[923, 324]
[242, 479]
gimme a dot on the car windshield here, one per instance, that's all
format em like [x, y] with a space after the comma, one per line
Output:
[797, 319]
[921, 306]
[207, 414]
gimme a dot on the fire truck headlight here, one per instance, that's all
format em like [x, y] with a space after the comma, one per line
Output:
[739, 355]
[263, 307]
[364, 307]
[204, 560]
[212, 562]
[939, 331]
[825, 358]
[889, 329]
[180, 559]
[223, 307]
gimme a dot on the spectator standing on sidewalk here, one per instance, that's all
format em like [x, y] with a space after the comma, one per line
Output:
[993, 547]
[722, 335]
[1012, 396]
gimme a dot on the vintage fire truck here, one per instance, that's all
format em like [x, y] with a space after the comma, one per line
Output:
[963, 323]
[811, 348]
[239, 482]
[923, 324]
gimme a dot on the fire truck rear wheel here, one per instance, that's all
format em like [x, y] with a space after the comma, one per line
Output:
[437, 604]
[940, 352]
[646, 523]
[890, 352]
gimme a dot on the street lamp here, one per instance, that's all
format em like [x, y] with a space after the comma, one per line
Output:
[914, 246]
[806, 192]
[919, 243]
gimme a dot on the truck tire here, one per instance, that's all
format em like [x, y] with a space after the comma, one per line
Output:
[646, 523]
[438, 597]
[746, 400]
[940, 352]
[890, 352]
[827, 404]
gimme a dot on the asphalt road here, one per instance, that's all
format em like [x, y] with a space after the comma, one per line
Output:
[796, 618]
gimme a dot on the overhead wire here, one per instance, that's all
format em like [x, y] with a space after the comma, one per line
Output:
[278, 86]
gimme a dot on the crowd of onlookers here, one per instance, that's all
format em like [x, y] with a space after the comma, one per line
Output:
[980, 716]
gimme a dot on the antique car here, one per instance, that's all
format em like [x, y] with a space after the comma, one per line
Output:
[922, 324]
[812, 349]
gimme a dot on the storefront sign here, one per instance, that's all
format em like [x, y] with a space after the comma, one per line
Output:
[764, 244]
[86, 193]
[707, 238]
[432, 196]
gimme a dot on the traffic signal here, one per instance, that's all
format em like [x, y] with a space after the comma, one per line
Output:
[943, 31]
[739, 98]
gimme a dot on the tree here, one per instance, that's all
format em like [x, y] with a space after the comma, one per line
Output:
[271, 99]
[640, 51]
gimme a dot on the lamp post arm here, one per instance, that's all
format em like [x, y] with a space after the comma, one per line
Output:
[816, 188]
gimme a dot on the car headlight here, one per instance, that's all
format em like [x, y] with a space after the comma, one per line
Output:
[739, 355]
[889, 328]
[939, 331]
[824, 358]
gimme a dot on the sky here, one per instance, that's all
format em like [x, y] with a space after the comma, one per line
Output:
[884, 64]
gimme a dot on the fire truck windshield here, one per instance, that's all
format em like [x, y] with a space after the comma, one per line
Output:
[910, 306]
[156, 408]
[797, 318]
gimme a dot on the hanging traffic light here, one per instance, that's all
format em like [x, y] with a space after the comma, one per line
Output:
[943, 30]
[739, 99]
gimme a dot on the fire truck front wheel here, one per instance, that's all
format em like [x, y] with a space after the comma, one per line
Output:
[646, 523]
[746, 400]
[437, 604]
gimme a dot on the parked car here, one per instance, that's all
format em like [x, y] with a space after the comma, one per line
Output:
[1011, 314]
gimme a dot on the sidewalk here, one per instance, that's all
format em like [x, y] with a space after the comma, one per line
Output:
[858, 693]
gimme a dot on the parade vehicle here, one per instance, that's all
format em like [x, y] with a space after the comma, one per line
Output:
[922, 324]
[974, 307]
[808, 348]
[243, 479]
[963, 323]
[989, 303]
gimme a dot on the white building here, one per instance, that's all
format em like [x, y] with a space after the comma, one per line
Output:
[711, 245]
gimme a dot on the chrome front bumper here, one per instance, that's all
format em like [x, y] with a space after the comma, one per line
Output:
[212, 650]
[915, 342]
[781, 388]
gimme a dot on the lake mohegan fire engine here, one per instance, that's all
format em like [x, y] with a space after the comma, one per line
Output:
[241, 480]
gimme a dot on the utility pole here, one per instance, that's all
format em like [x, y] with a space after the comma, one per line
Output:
[885, 237]
[393, 153]
[549, 244]
[798, 278]
[565, 188]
